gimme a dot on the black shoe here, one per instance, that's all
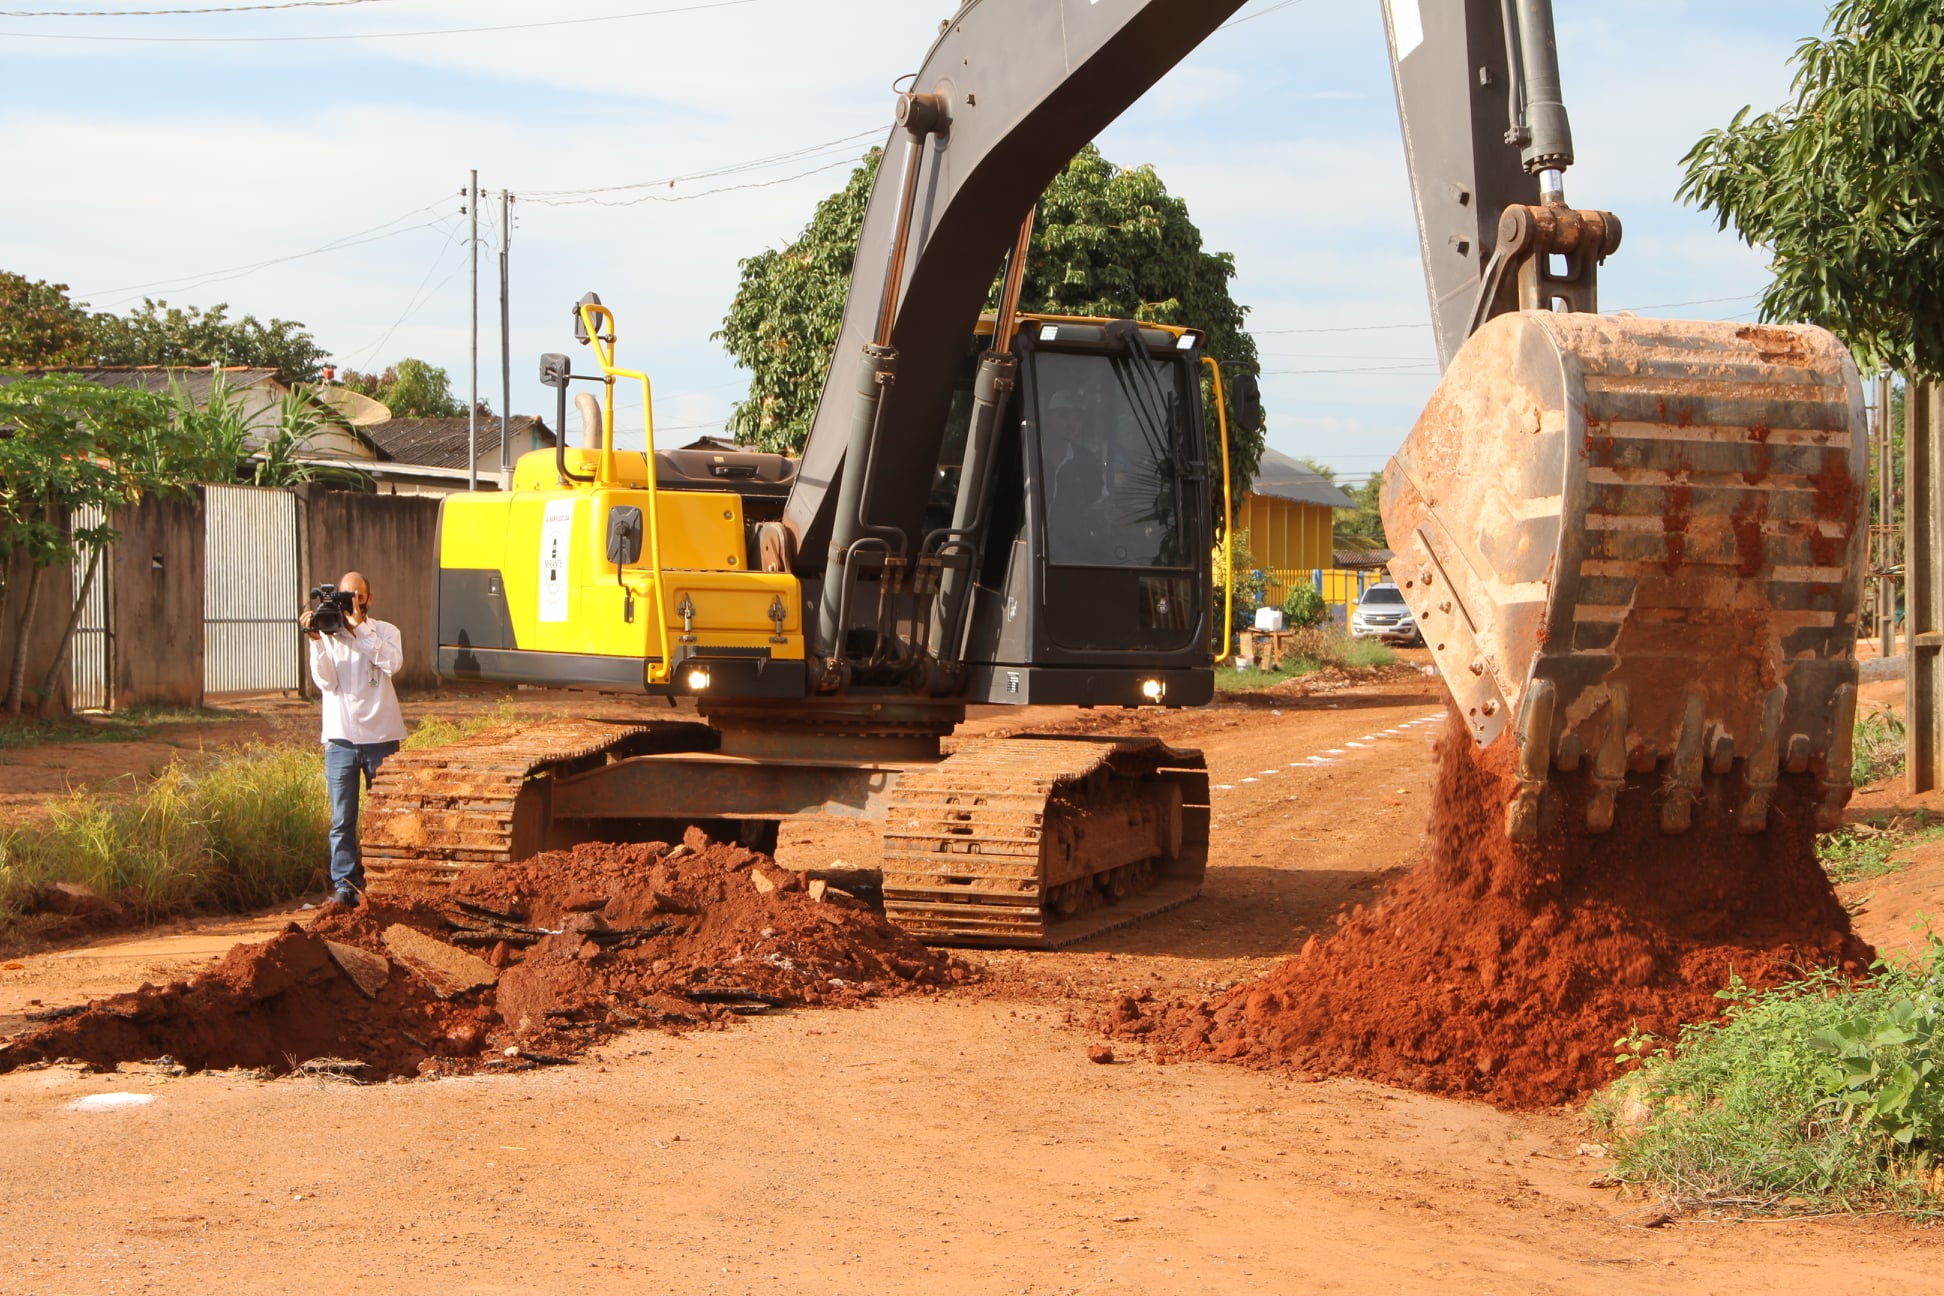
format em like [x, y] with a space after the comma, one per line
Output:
[346, 896]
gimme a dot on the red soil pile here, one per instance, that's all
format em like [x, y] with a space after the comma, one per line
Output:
[1508, 971]
[585, 943]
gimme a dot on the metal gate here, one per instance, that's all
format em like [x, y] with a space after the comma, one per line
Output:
[251, 590]
[88, 653]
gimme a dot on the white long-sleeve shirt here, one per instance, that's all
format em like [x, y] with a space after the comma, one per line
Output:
[353, 670]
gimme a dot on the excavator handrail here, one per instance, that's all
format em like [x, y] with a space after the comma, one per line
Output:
[1228, 516]
[591, 314]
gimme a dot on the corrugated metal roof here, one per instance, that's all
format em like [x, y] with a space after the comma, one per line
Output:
[1283, 478]
[441, 442]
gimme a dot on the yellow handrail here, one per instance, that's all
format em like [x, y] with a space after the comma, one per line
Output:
[592, 314]
[1228, 518]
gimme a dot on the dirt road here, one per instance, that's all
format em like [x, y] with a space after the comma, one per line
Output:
[955, 1144]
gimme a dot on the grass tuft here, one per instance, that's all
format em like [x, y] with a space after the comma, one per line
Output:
[436, 731]
[247, 829]
[1819, 1095]
[1878, 751]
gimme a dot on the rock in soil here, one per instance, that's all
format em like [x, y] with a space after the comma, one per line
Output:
[1508, 971]
[680, 938]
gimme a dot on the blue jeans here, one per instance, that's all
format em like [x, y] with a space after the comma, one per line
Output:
[344, 764]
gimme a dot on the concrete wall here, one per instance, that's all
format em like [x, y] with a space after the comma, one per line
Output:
[393, 540]
[43, 638]
[156, 589]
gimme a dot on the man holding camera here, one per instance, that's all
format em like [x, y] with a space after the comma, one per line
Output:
[353, 656]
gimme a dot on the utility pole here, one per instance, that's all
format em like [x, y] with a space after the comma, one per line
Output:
[506, 355]
[472, 406]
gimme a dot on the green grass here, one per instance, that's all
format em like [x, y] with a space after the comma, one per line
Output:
[1859, 851]
[243, 830]
[1820, 1095]
[1230, 680]
[1368, 652]
[1878, 751]
[436, 731]
[1311, 648]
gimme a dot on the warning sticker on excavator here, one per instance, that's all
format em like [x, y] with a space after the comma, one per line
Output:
[556, 542]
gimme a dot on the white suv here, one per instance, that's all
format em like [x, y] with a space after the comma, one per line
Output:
[1381, 614]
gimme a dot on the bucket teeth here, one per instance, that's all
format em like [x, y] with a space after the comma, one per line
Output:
[1609, 762]
[1684, 780]
[1760, 772]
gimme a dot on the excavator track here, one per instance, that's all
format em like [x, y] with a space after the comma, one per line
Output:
[434, 813]
[1037, 842]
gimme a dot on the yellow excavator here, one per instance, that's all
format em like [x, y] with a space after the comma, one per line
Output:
[1633, 542]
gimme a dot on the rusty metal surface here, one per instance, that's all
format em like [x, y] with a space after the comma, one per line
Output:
[1638, 542]
[439, 811]
[989, 845]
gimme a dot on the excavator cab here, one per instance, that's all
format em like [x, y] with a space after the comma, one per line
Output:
[1093, 578]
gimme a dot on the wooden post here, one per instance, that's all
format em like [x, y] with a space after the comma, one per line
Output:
[1923, 591]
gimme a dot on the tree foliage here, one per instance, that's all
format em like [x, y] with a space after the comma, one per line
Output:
[1845, 186]
[410, 389]
[1106, 241]
[75, 450]
[160, 334]
[39, 325]
[42, 327]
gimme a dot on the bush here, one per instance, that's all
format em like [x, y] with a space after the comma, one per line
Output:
[1820, 1090]
[248, 829]
[1305, 607]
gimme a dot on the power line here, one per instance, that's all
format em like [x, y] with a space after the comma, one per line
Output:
[700, 193]
[1261, 13]
[183, 283]
[386, 35]
[163, 13]
[753, 164]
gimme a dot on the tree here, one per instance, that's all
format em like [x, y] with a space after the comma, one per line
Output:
[160, 334]
[410, 389]
[1106, 241]
[1363, 529]
[39, 325]
[73, 451]
[1845, 186]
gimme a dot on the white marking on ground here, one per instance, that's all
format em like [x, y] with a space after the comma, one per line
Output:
[110, 1102]
[1252, 780]
[1358, 744]
[1334, 751]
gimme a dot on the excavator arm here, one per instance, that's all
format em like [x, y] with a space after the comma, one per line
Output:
[1633, 546]
[1009, 92]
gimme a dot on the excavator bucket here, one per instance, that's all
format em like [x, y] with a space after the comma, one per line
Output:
[1638, 545]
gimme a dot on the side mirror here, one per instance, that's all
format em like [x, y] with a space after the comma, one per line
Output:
[554, 369]
[624, 535]
[1245, 402]
[580, 321]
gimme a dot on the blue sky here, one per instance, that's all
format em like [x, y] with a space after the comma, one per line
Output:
[141, 164]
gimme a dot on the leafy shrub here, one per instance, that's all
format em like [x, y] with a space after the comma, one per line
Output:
[1305, 607]
[1823, 1089]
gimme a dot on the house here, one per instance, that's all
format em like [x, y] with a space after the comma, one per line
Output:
[1289, 514]
[436, 449]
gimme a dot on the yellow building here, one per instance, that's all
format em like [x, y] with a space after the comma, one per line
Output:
[1289, 515]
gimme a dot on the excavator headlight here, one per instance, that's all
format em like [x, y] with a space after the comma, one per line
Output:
[1153, 690]
[697, 678]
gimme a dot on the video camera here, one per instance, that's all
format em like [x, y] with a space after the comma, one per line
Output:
[329, 608]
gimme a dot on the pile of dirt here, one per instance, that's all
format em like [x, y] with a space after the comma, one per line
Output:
[515, 965]
[1507, 971]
